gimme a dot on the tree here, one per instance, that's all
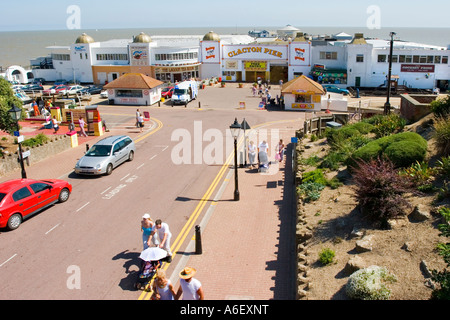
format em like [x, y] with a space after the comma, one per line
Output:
[7, 99]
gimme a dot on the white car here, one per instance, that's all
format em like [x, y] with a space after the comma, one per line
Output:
[104, 94]
[72, 90]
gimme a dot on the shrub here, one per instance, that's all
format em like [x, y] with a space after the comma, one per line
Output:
[310, 191]
[420, 173]
[403, 149]
[35, 141]
[442, 136]
[386, 125]
[443, 277]
[443, 166]
[441, 107]
[379, 189]
[315, 176]
[370, 284]
[326, 256]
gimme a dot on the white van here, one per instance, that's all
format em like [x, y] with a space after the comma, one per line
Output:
[185, 92]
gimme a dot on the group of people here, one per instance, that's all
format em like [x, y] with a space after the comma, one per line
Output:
[158, 234]
[139, 120]
[264, 147]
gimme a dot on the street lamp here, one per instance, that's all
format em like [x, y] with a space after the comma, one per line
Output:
[16, 114]
[387, 105]
[245, 126]
[235, 131]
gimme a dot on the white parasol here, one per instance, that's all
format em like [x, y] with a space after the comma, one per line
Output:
[153, 254]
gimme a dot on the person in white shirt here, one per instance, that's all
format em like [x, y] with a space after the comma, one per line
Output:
[190, 288]
[252, 153]
[165, 236]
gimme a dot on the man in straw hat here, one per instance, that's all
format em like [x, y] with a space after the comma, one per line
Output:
[190, 287]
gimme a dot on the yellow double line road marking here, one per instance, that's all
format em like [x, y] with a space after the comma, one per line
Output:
[159, 127]
[146, 295]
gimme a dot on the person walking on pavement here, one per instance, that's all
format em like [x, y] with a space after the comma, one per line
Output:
[140, 121]
[148, 231]
[138, 114]
[165, 236]
[279, 151]
[252, 153]
[162, 287]
[190, 288]
[55, 125]
[81, 123]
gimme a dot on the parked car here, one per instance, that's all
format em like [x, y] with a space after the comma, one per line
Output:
[38, 81]
[92, 89]
[166, 93]
[104, 94]
[57, 88]
[106, 155]
[21, 198]
[335, 89]
[33, 87]
[72, 90]
[61, 81]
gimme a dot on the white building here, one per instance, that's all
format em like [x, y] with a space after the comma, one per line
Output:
[358, 62]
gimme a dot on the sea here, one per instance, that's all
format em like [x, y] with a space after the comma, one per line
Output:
[19, 47]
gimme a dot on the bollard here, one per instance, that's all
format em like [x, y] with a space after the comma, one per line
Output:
[198, 240]
[199, 105]
[87, 147]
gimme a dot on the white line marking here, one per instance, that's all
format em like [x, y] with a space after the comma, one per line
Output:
[153, 157]
[124, 177]
[1, 265]
[83, 207]
[52, 229]
[106, 190]
[140, 166]
[165, 149]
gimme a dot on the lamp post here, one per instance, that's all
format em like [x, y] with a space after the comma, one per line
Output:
[245, 126]
[387, 105]
[16, 114]
[235, 131]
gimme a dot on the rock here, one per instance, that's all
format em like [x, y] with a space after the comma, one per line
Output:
[365, 244]
[356, 233]
[354, 264]
[301, 294]
[424, 269]
[407, 246]
[396, 223]
[420, 213]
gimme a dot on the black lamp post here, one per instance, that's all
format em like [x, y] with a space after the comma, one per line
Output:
[245, 126]
[16, 114]
[387, 105]
[235, 131]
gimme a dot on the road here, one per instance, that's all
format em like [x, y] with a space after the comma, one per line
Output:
[88, 247]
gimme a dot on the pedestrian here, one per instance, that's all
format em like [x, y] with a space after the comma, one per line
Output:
[138, 114]
[36, 108]
[252, 153]
[263, 147]
[190, 288]
[254, 90]
[81, 123]
[162, 287]
[279, 151]
[148, 231]
[268, 97]
[140, 121]
[55, 125]
[165, 237]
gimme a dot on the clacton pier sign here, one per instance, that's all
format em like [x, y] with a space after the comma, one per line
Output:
[256, 52]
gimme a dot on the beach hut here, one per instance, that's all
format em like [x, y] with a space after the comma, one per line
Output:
[134, 89]
[303, 94]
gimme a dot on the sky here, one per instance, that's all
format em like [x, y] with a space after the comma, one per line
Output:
[113, 14]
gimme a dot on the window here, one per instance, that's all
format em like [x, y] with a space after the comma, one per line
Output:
[437, 59]
[38, 187]
[394, 59]
[423, 59]
[21, 194]
[382, 58]
[176, 56]
[430, 59]
[301, 98]
[416, 59]
[112, 56]
[328, 55]
[359, 58]
[401, 58]
[129, 93]
[444, 59]
[62, 57]
[408, 59]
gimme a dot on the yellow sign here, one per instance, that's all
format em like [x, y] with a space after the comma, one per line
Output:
[255, 65]
[302, 106]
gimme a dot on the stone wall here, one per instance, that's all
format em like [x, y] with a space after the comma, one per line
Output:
[57, 144]
[413, 107]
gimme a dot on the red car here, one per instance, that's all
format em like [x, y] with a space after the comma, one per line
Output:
[22, 197]
[58, 89]
[166, 93]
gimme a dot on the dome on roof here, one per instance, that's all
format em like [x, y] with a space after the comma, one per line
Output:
[84, 38]
[142, 38]
[211, 36]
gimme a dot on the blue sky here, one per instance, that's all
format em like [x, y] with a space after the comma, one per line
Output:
[102, 14]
